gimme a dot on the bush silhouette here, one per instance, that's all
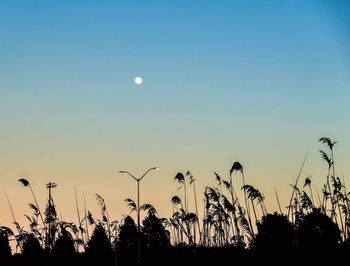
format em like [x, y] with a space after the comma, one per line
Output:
[127, 242]
[316, 231]
[154, 233]
[127, 237]
[5, 249]
[275, 234]
[64, 249]
[155, 241]
[32, 252]
[99, 249]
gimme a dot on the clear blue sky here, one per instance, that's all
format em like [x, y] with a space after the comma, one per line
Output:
[253, 81]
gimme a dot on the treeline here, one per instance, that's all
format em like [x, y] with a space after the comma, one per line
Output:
[99, 250]
[315, 225]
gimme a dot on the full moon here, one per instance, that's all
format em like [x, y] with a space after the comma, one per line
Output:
[138, 80]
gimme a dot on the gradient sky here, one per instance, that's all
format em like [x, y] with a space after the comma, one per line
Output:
[251, 81]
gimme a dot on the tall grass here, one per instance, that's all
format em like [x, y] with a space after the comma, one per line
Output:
[226, 219]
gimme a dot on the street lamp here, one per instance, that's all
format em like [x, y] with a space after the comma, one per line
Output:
[138, 206]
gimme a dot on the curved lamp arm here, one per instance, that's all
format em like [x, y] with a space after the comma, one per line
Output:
[153, 168]
[126, 172]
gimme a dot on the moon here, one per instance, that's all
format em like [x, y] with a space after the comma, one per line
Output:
[138, 80]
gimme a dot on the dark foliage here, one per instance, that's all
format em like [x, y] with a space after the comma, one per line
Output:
[64, 249]
[5, 249]
[99, 249]
[154, 233]
[127, 242]
[316, 228]
[275, 234]
[127, 237]
[32, 252]
[155, 241]
[316, 231]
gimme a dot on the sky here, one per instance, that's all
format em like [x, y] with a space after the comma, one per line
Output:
[257, 82]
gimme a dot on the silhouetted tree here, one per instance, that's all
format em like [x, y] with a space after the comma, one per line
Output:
[32, 252]
[127, 237]
[155, 241]
[275, 234]
[5, 249]
[64, 249]
[127, 242]
[52, 223]
[99, 249]
[317, 231]
[154, 232]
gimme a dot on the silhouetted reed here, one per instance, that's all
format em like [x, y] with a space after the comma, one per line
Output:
[226, 226]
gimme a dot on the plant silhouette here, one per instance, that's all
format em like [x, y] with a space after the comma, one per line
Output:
[316, 221]
[127, 236]
[5, 249]
[99, 249]
[154, 233]
[32, 252]
[126, 245]
[275, 235]
[64, 249]
[316, 231]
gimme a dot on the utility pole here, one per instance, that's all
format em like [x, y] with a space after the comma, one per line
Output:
[49, 186]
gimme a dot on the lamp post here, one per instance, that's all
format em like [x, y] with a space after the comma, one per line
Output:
[138, 206]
